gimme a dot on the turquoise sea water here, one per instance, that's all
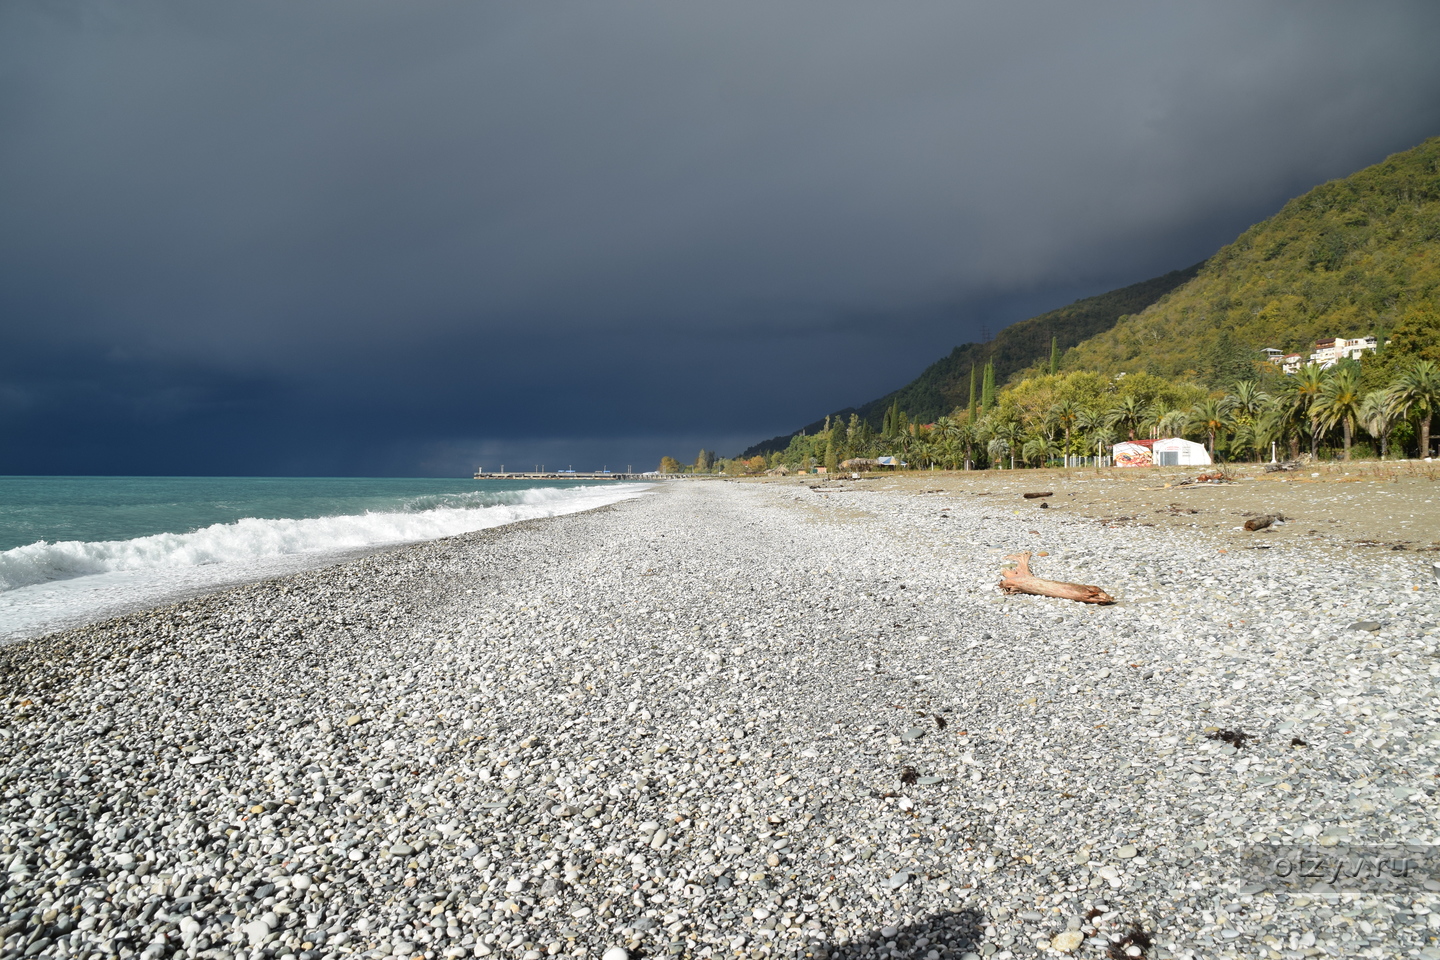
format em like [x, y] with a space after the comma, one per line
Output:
[122, 508]
[75, 548]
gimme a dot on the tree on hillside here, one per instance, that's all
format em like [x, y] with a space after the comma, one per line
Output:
[669, 465]
[1054, 355]
[1417, 333]
[1417, 393]
[973, 412]
[987, 392]
[1339, 402]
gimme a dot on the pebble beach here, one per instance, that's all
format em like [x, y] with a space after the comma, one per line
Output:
[764, 719]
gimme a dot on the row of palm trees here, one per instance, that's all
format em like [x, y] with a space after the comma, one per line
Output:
[1308, 407]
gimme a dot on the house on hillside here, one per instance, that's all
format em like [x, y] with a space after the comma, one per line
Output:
[1332, 350]
[1327, 353]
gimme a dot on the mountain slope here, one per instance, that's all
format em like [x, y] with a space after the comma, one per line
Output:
[945, 384]
[1351, 257]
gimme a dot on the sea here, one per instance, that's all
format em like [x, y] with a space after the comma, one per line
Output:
[74, 550]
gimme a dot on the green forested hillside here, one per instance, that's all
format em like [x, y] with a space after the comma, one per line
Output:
[1351, 257]
[945, 384]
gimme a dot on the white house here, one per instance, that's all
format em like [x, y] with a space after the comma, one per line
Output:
[1327, 353]
[1332, 350]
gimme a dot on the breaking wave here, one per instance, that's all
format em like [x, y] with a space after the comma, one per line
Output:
[252, 541]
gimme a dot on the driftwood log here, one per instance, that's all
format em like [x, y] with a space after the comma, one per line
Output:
[1037, 496]
[1020, 580]
[1258, 523]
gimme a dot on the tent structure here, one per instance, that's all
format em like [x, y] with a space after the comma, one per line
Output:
[1170, 452]
[1175, 452]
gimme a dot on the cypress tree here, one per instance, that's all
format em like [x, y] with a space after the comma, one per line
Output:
[1054, 355]
[987, 391]
[972, 393]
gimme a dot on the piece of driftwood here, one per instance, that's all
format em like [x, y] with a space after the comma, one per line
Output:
[1037, 496]
[1258, 523]
[1020, 580]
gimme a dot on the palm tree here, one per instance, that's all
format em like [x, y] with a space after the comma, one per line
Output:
[965, 439]
[1339, 402]
[1128, 414]
[1209, 417]
[1417, 393]
[1268, 426]
[1248, 399]
[1066, 415]
[1154, 415]
[1304, 390]
[1100, 439]
[1378, 418]
[1038, 448]
[1172, 422]
[1009, 433]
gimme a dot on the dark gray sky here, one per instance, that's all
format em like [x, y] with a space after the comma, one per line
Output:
[398, 238]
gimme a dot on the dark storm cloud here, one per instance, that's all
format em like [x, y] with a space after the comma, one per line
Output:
[356, 237]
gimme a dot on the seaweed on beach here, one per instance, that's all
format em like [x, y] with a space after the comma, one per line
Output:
[939, 722]
[908, 776]
[1235, 738]
[1134, 937]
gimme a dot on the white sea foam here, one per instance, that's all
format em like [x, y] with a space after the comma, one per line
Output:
[47, 586]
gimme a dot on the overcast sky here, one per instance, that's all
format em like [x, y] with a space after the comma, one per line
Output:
[413, 238]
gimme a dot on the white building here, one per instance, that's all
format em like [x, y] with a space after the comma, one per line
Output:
[1331, 351]
[1327, 353]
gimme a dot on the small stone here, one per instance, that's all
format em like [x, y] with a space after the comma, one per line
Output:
[616, 953]
[1365, 626]
[1067, 942]
[898, 880]
[351, 720]
[913, 733]
[1126, 852]
[256, 931]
